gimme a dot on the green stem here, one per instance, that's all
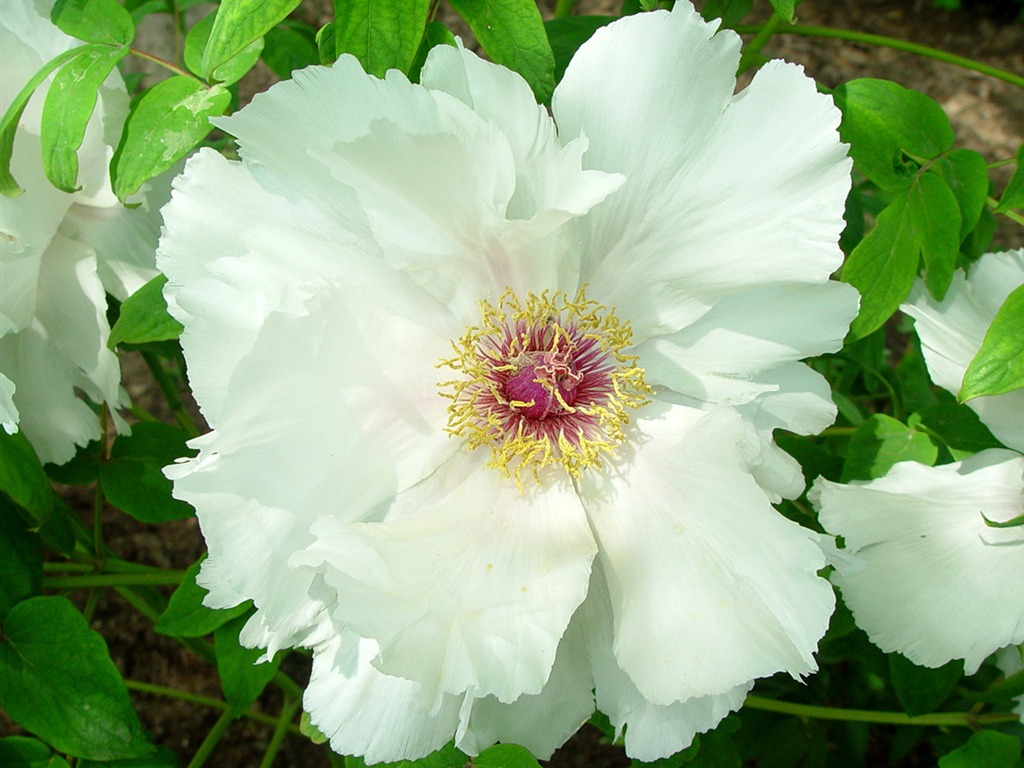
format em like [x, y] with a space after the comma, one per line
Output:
[288, 710]
[164, 63]
[204, 701]
[563, 9]
[753, 48]
[97, 499]
[966, 719]
[1011, 215]
[891, 42]
[113, 580]
[212, 739]
[170, 392]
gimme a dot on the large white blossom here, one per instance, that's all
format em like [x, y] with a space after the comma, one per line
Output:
[61, 253]
[933, 580]
[493, 389]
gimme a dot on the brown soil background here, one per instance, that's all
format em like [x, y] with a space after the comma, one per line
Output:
[988, 116]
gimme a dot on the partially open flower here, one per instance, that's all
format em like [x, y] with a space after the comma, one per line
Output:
[60, 254]
[937, 578]
[493, 390]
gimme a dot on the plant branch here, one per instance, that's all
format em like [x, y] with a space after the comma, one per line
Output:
[163, 63]
[212, 739]
[113, 580]
[965, 719]
[288, 710]
[890, 42]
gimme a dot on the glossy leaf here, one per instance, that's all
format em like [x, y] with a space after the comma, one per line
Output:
[60, 684]
[94, 21]
[568, 34]
[958, 427]
[186, 616]
[882, 441]
[446, 757]
[21, 562]
[22, 477]
[9, 122]
[69, 105]
[887, 126]
[731, 12]
[286, 50]
[383, 35]
[436, 34]
[966, 173]
[505, 756]
[166, 124]
[923, 221]
[23, 752]
[1013, 195]
[921, 689]
[785, 8]
[998, 366]
[985, 749]
[512, 33]
[144, 317]
[133, 479]
[240, 23]
[232, 70]
[241, 678]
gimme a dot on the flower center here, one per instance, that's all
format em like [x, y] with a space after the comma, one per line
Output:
[543, 381]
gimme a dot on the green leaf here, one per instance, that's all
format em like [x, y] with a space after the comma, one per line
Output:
[717, 749]
[785, 9]
[446, 757]
[887, 127]
[238, 25]
[512, 33]
[505, 756]
[241, 678]
[731, 12]
[59, 683]
[1013, 195]
[310, 731]
[920, 689]
[966, 173]
[325, 44]
[286, 50]
[882, 441]
[21, 562]
[998, 366]
[436, 34]
[22, 477]
[186, 616]
[168, 121]
[383, 35]
[232, 70]
[95, 21]
[23, 752]
[144, 317]
[923, 221]
[985, 749]
[164, 758]
[958, 426]
[69, 105]
[568, 34]
[133, 479]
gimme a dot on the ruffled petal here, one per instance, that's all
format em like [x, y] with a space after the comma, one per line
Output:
[724, 192]
[541, 722]
[63, 348]
[951, 332]
[8, 410]
[651, 730]
[934, 582]
[366, 713]
[468, 585]
[710, 586]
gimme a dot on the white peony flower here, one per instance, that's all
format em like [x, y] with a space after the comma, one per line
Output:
[493, 390]
[61, 253]
[935, 582]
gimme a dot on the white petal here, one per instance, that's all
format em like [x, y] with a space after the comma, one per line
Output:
[541, 722]
[935, 583]
[366, 713]
[710, 586]
[469, 585]
[64, 348]
[652, 731]
[725, 192]
[951, 332]
[8, 410]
